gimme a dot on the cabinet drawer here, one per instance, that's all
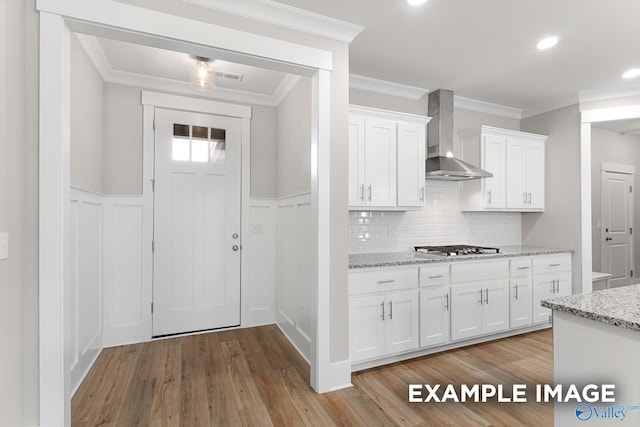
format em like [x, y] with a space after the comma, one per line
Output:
[367, 282]
[520, 267]
[551, 264]
[435, 275]
[477, 271]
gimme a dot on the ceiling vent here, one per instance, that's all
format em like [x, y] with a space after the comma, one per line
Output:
[230, 76]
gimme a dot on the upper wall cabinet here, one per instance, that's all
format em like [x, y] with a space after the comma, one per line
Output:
[517, 162]
[386, 159]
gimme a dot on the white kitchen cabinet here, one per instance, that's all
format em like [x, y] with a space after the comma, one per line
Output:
[386, 159]
[383, 324]
[435, 323]
[479, 308]
[546, 286]
[517, 162]
[411, 164]
[520, 306]
[525, 173]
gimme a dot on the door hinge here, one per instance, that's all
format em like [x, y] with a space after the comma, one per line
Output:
[630, 230]
[154, 123]
[153, 246]
[631, 273]
[631, 189]
[152, 308]
[153, 184]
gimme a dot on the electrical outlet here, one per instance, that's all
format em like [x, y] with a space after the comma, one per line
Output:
[256, 229]
[4, 246]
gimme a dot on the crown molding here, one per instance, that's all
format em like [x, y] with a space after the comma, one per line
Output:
[286, 16]
[96, 55]
[550, 106]
[384, 87]
[486, 107]
[389, 115]
[609, 93]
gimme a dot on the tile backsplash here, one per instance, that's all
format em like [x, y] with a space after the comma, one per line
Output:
[440, 222]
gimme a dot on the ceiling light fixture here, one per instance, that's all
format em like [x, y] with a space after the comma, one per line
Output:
[203, 77]
[547, 43]
[631, 74]
[416, 2]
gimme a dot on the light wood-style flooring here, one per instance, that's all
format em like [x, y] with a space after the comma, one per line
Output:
[254, 377]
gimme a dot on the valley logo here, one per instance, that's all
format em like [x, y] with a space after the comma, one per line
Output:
[585, 412]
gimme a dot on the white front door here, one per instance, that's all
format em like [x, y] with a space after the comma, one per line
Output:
[196, 281]
[617, 223]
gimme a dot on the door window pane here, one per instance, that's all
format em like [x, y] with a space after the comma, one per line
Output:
[217, 145]
[198, 144]
[180, 143]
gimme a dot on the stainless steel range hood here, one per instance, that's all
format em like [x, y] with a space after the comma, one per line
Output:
[440, 161]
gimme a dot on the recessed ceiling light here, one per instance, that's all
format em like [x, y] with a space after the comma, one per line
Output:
[631, 74]
[547, 43]
[415, 2]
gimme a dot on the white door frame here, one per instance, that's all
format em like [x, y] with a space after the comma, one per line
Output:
[626, 170]
[125, 22]
[586, 119]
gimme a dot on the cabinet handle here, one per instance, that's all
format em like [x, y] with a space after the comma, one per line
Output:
[382, 305]
[557, 286]
[554, 265]
[369, 192]
[391, 310]
[362, 192]
[553, 286]
[382, 282]
[446, 303]
[523, 268]
[516, 291]
[524, 195]
[486, 292]
[489, 197]
[422, 194]
[481, 301]
[529, 198]
[439, 276]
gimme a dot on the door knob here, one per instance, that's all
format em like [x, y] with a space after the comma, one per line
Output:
[234, 235]
[235, 247]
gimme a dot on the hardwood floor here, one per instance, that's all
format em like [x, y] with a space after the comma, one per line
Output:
[254, 377]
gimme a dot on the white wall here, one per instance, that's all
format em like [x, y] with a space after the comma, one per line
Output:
[559, 225]
[86, 121]
[609, 146]
[440, 222]
[264, 152]
[294, 141]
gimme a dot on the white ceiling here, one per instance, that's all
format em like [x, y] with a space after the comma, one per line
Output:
[631, 126]
[123, 57]
[486, 49]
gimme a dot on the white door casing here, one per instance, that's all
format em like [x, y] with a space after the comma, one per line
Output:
[616, 204]
[196, 222]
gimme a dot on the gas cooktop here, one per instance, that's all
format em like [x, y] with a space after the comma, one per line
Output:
[455, 250]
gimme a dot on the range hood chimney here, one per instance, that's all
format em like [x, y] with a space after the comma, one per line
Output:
[440, 161]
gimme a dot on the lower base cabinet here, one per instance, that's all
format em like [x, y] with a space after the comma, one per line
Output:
[521, 303]
[479, 308]
[435, 306]
[547, 286]
[383, 324]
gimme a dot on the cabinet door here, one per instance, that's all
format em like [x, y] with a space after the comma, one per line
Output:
[520, 308]
[493, 160]
[356, 161]
[563, 284]
[495, 308]
[402, 321]
[516, 174]
[435, 320]
[366, 327]
[543, 286]
[535, 174]
[411, 165]
[380, 162]
[466, 311]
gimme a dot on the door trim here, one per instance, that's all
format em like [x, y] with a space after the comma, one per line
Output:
[145, 26]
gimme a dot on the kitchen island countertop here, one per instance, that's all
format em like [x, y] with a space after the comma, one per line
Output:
[617, 306]
[393, 259]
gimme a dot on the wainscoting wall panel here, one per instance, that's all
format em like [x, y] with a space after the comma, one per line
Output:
[85, 282]
[294, 269]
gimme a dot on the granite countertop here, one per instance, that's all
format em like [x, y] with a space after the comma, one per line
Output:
[391, 259]
[616, 306]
